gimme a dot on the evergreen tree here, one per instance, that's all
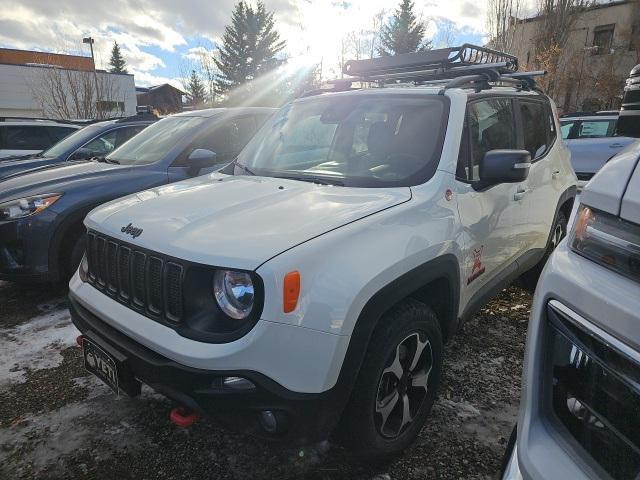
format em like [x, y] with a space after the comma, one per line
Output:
[404, 33]
[196, 92]
[118, 65]
[249, 46]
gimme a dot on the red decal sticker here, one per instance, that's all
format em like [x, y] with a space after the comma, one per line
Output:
[478, 268]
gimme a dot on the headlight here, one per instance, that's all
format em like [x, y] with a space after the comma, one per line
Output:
[607, 240]
[234, 293]
[23, 207]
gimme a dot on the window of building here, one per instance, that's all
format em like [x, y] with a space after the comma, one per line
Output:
[603, 39]
[110, 106]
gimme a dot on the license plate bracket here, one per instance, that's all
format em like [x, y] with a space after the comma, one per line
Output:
[108, 368]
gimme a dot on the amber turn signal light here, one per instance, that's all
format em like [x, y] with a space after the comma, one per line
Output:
[291, 291]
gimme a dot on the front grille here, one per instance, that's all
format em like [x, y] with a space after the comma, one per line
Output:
[147, 282]
[593, 390]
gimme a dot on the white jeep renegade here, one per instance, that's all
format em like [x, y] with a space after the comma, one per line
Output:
[313, 281]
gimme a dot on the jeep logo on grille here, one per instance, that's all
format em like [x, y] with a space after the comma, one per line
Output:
[131, 230]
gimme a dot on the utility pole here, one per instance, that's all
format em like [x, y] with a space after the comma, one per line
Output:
[90, 41]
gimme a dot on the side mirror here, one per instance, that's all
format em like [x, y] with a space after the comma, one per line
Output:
[504, 166]
[200, 158]
[82, 154]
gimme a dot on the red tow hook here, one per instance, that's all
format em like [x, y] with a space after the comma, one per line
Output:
[183, 417]
[79, 340]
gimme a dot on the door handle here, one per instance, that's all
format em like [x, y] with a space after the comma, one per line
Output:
[520, 193]
[616, 145]
[555, 174]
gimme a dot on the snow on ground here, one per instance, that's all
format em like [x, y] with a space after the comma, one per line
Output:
[36, 344]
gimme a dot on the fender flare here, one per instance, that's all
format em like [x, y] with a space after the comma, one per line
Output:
[445, 268]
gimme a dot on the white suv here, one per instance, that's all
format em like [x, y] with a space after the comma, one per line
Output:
[314, 280]
[580, 408]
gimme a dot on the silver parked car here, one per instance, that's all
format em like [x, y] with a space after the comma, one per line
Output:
[592, 139]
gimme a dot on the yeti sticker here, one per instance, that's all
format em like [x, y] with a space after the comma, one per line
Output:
[477, 269]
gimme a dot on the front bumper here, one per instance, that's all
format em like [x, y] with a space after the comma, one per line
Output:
[24, 249]
[305, 417]
[605, 302]
[512, 470]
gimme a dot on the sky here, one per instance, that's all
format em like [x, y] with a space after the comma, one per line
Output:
[160, 39]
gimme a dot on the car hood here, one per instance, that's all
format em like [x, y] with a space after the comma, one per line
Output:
[630, 207]
[606, 189]
[51, 178]
[236, 221]
[13, 166]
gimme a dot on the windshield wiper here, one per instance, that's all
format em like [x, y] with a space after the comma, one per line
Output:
[244, 168]
[316, 180]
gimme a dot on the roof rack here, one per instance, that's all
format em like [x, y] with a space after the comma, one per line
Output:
[431, 62]
[454, 67]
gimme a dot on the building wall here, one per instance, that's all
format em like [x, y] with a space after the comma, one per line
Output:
[19, 84]
[582, 74]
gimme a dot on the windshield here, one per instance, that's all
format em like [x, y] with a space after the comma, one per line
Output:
[365, 140]
[153, 143]
[73, 141]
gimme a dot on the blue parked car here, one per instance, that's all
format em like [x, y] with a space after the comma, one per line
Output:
[96, 140]
[41, 211]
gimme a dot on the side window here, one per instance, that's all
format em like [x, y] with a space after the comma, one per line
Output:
[595, 128]
[228, 139]
[18, 137]
[534, 128]
[566, 129]
[104, 144]
[491, 126]
[125, 133]
[58, 133]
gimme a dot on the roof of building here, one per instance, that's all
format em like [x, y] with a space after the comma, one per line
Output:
[157, 87]
[13, 56]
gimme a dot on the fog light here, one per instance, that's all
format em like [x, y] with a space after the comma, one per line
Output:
[238, 383]
[268, 421]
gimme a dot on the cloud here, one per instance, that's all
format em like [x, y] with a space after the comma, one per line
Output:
[159, 35]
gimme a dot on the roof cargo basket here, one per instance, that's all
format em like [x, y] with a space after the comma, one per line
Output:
[466, 66]
[441, 59]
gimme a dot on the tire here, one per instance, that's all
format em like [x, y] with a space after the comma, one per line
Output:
[74, 258]
[373, 428]
[529, 279]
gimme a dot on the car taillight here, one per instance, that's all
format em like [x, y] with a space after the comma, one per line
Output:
[607, 240]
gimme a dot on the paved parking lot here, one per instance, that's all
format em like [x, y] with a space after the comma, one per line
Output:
[58, 422]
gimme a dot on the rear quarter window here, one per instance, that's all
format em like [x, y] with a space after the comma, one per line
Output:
[25, 137]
